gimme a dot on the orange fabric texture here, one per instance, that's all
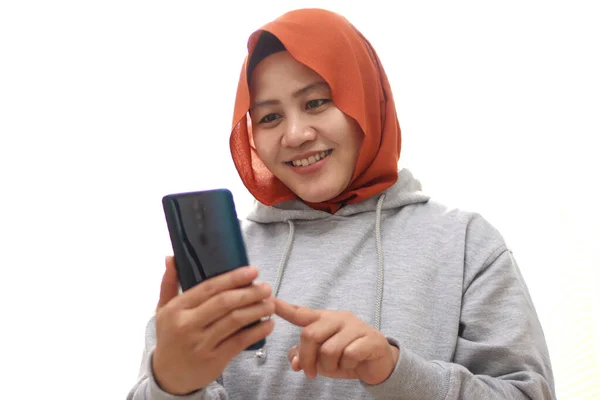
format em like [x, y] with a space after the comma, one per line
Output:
[330, 45]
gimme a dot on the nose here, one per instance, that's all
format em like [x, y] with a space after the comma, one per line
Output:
[297, 132]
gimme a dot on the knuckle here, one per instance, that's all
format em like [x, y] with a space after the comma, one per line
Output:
[162, 315]
[178, 324]
[351, 354]
[166, 311]
[245, 297]
[308, 334]
[165, 316]
[223, 301]
[327, 351]
[237, 317]
[209, 287]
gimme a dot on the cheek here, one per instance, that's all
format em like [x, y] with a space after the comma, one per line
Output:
[347, 132]
[356, 138]
[265, 147]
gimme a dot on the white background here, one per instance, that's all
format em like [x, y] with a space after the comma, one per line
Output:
[106, 106]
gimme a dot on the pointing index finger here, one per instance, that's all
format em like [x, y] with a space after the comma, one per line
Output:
[297, 315]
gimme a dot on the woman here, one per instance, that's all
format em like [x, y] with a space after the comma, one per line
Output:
[377, 290]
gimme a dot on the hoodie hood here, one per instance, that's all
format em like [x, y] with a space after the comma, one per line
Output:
[407, 190]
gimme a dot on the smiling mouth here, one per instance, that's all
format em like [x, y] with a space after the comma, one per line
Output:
[305, 162]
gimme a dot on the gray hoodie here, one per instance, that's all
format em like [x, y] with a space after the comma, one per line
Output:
[440, 284]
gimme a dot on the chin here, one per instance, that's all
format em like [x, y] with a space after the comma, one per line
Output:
[315, 199]
[317, 195]
[317, 189]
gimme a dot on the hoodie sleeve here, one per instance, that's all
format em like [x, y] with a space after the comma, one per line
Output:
[147, 387]
[500, 352]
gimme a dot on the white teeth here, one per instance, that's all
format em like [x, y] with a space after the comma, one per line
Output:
[310, 160]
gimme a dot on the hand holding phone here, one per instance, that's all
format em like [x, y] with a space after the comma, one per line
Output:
[206, 237]
[219, 313]
[199, 331]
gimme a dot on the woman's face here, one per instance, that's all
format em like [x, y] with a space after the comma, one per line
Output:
[299, 134]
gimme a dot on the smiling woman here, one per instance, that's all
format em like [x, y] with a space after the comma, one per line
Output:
[375, 285]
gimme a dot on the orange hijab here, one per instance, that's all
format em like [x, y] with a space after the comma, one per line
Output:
[327, 43]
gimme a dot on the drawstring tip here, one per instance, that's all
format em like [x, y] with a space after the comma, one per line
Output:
[261, 353]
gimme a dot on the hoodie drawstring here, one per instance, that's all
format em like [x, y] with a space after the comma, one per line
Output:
[285, 256]
[262, 352]
[379, 262]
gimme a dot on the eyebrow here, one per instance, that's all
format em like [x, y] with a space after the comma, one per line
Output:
[296, 94]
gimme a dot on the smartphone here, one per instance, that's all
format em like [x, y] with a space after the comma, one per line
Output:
[206, 237]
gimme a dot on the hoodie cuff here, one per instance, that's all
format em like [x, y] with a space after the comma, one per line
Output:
[155, 392]
[413, 378]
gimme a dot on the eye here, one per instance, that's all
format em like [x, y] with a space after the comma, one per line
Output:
[316, 103]
[268, 118]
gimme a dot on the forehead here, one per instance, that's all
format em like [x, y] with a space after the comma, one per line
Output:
[281, 72]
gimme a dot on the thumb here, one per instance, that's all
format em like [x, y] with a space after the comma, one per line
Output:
[169, 287]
